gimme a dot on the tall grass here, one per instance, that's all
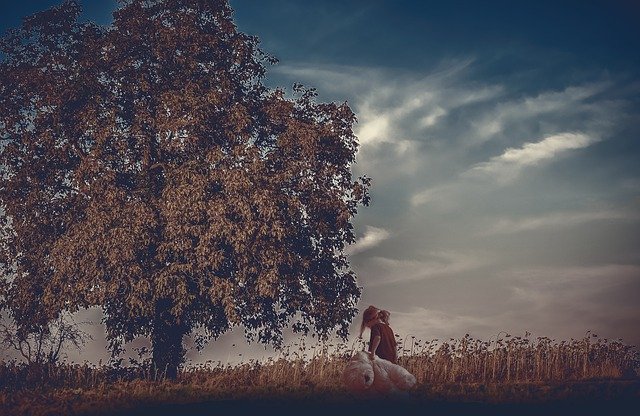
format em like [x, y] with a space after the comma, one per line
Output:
[509, 359]
[317, 368]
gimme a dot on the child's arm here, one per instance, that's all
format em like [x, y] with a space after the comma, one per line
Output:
[374, 346]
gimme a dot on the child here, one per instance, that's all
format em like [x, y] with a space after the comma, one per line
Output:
[382, 341]
[364, 373]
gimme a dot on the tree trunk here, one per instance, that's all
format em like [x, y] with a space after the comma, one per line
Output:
[166, 340]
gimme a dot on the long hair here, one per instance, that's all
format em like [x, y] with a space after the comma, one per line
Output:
[369, 314]
[384, 316]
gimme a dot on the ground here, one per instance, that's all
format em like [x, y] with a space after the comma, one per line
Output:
[597, 397]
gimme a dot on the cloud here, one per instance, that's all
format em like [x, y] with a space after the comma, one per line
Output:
[591, 295]
[560, 302]
[440, 145]
[554, 276]
[506, 167]
[380, 271]
[432, 118]
[516, 115]
[411, 109]
[502, 169]
[438, 195]
[394, 107]
[427, 324]
[532, 153]
[371, 238]
[559, 219]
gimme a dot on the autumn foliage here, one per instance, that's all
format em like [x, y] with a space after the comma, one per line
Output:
[147, 169]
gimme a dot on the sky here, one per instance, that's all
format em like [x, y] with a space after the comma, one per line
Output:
[503, 142]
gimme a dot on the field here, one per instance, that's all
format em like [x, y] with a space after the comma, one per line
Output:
[458, 375]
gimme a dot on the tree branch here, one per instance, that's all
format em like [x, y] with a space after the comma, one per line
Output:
[158, 165]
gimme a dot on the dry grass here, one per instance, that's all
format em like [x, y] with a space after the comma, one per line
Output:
[511, 359]
[505, 368]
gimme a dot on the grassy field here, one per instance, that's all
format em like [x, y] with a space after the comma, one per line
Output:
[482, 375]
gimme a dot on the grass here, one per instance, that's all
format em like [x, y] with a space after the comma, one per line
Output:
[504, 369]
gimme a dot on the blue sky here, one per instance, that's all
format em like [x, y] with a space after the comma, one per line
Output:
[502, 142]
[502, 139]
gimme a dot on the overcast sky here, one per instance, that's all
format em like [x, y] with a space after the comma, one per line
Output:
[503, 143]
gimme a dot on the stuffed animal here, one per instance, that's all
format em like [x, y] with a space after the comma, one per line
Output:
[362, 374]
[358, 374]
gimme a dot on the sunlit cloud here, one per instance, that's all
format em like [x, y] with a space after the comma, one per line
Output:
[393, 108]
[414, 108]
[440, 195]
[371, 238]
[507, 166]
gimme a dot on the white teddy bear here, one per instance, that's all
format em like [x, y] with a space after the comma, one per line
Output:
[363, 374]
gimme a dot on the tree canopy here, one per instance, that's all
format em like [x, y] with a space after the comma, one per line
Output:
[148, 170]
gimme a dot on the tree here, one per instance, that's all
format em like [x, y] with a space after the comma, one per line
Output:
[148, 170]
[44, 346]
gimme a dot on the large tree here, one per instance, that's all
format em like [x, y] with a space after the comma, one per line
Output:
[148, 170]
